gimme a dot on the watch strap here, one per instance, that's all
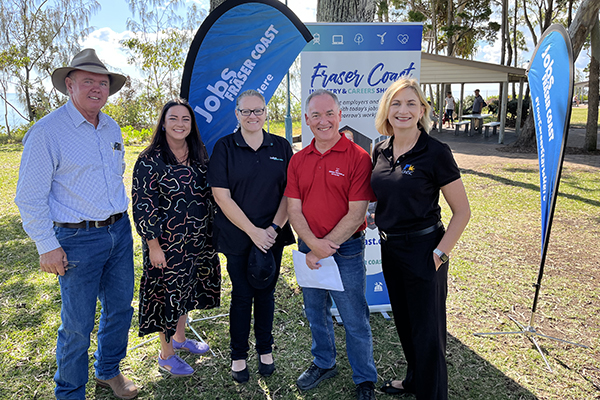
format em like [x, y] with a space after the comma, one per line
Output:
[276, 227]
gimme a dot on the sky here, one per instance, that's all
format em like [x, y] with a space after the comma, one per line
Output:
[110, 26]
[110, 23]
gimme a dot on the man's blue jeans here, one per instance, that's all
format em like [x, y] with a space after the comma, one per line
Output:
[353, 308]
[103, 259]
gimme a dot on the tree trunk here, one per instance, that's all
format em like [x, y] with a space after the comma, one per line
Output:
[434, 26]
[215, 3]
[503, 30]
[5, 98]
[450, 22]
[586, 17]
[591, 129]
[346, 10]
[584, 20]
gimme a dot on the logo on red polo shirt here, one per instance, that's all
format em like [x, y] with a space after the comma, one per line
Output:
[408, 169]
[336, 172]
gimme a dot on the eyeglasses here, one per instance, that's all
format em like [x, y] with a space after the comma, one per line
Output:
[246, 113]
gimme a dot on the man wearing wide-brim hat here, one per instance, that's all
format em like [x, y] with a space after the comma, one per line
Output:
[73, 205]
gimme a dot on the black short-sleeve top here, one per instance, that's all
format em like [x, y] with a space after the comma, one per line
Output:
[256, 180]
[408, 190]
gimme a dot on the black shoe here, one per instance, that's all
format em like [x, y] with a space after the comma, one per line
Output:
[315, 375]
[241, 376]
[265, 370]
[388, 388]
[365, 391]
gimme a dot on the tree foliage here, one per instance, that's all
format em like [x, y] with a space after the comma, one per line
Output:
[585, 18]
[158, 49]
[452, 27]
[35, 38]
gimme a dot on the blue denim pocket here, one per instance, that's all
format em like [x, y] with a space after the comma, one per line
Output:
[352, 248]
[65, 233]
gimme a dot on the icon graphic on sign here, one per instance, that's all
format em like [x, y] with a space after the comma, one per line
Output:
[378, 287]
[337, 39]
[359, 38]
[382, 36]
[316, 39]
[403, 38]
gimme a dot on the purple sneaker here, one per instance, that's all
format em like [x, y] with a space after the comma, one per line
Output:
[192, 346]
[175, 366]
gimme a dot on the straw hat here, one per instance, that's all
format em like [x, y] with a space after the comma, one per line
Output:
[87, 60]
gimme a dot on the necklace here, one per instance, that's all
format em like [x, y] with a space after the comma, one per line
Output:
[184, 158]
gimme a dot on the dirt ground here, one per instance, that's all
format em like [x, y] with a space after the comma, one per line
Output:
[475, 151]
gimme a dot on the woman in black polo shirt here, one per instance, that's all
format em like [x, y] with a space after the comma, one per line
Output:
[248, 174]
[409, 170]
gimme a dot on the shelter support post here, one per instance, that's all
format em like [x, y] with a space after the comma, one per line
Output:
[441, 108]
[503, 113]
[462, 100]
[519, 107]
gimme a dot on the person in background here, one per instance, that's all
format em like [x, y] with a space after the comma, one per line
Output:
[449, 114]
[349, 135]
[172, 210]
[73, 205]
[410, 169]
[478, 104]
[432, 116]
[328, 192]
[248, 174]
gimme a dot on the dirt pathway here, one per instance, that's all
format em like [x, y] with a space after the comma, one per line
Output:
[476, 151]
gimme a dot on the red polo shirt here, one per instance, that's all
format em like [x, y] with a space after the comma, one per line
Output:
[325, 183]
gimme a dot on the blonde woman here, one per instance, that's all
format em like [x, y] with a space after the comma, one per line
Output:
[410, 169]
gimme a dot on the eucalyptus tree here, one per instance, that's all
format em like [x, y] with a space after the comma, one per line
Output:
[452, 27]
[579, 30]
[591, 129]
[346, 10]
[37, 36]
[162, 34]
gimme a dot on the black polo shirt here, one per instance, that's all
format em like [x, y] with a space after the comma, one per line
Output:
[256, 180]
[408, 190]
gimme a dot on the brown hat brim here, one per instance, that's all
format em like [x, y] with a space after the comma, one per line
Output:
[87, 60]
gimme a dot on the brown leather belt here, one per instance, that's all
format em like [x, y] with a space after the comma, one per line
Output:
[92, 224]
[408, 235]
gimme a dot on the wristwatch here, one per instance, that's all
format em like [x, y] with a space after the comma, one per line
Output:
[443, 256]
[276, 227]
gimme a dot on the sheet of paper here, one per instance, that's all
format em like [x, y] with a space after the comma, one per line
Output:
[327, 277]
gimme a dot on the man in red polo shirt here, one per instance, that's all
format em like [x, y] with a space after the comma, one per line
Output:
[328, 193]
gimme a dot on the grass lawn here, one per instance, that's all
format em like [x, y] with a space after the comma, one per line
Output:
[491, 275]
[579, 117]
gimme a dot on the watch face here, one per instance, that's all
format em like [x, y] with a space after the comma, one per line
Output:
[443, 256]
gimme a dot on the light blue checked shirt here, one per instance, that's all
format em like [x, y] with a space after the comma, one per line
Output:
[70, 172]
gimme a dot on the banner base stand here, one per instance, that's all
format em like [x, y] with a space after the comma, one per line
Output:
[530, 333]
[189, 325]
[379, 308]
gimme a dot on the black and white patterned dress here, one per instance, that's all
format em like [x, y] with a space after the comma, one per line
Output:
[174, 204]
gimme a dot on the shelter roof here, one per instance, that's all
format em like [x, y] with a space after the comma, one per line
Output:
[443, 69]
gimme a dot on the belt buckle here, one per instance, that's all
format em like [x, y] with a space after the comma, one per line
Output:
[383, 235]
[97, 224]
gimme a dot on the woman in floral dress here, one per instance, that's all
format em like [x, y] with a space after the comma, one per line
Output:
[172, 209]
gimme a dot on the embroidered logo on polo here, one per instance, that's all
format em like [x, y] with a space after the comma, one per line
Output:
[275, 158]
[336, 172]
[408, 169]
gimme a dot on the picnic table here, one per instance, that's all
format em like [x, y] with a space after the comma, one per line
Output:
[473, 118]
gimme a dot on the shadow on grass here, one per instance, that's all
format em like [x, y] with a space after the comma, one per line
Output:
[524, 185]
[30, 303]
[469, 375]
